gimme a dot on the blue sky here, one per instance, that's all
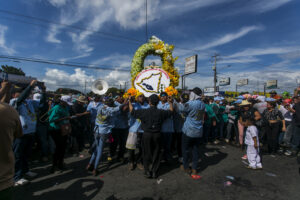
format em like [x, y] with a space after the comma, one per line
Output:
[259, 39]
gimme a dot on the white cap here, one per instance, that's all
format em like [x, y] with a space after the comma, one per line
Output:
[67, 99]
[261, 98]
[37, 96]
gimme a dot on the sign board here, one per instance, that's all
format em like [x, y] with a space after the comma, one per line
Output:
[190, 65]
[209, 91]
[16, 78]
[224, 81]
[271, 84]
[152, 81]
[242, 82]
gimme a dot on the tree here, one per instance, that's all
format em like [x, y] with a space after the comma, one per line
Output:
[67, 91]
[12, 70]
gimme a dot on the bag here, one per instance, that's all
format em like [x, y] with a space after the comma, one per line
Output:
[131, 140]
[65, 129]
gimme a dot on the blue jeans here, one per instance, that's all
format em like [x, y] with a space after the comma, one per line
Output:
[100, 140]
[167, 142]
[22, 150]
[188, 144]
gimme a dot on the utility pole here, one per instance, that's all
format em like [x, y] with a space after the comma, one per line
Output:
[85, 86]
[215, 59]
[264, 89]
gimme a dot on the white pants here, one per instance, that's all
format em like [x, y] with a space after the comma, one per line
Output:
[253, 156]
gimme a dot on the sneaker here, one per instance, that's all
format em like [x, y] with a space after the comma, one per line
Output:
[216, 142]
[22, 181]
[259, 167]
[227, 141]
[31, 174]
[245, 157]
[288, 153]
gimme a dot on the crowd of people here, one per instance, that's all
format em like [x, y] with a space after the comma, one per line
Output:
[144, 131]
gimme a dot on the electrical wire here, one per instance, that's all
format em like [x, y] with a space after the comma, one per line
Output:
[52, 62]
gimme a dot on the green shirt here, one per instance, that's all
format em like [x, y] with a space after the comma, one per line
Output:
[57, 112]
[210, 113]
[223, 113]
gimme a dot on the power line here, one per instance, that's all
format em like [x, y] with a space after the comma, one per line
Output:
[146, 20]
[67, 25]
[107, 35]
[52, 62]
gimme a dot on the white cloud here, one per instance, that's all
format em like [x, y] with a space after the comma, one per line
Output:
[75, 57]
[230, 37]
[52, 33]
[78, 79]
[58, 3]
[286, 79]
[265, 51]
[267, 5]
[115, 60]
[55, 78]
[3, 46]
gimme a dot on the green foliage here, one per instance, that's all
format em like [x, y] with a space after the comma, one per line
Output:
[12, 70]
[67, 91]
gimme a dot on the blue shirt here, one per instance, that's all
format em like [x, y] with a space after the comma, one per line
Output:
[121, 118]
[178, 119]
[168, 125]
[28, 116]
[135, 124]
[105, 119]
[193, 125]
[92, 108]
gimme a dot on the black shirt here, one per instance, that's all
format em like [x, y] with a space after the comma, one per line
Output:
[275, 114]
[151, 118]
[296, 116]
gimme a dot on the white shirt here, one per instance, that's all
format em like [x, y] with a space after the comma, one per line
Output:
[250, 134]
[288, 116]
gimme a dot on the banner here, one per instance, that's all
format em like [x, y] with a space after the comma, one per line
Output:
[224, 81]
[272, 84]
[190, 65]
[242, 82]
[209, 91]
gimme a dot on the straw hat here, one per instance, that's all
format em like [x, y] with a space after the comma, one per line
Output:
[245, 103]
[82, 99]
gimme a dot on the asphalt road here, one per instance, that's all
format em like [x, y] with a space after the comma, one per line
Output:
[278, 180]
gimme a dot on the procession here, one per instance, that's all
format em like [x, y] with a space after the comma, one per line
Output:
[155, 124]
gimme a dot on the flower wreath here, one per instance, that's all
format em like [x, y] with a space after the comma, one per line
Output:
[155, 47]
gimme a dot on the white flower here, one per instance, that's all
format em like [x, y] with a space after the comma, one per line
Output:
[158, 51]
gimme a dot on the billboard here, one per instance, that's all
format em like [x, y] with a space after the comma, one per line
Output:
[190, 65]
[209, 91]
[271, 84]
[224, 81]
[242, 82]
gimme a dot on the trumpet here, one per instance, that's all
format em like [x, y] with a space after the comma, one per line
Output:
[100, 87]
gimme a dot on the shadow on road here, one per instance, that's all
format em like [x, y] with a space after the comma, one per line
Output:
[56, 186]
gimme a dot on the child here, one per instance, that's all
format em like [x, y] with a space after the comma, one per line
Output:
[252, 142]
